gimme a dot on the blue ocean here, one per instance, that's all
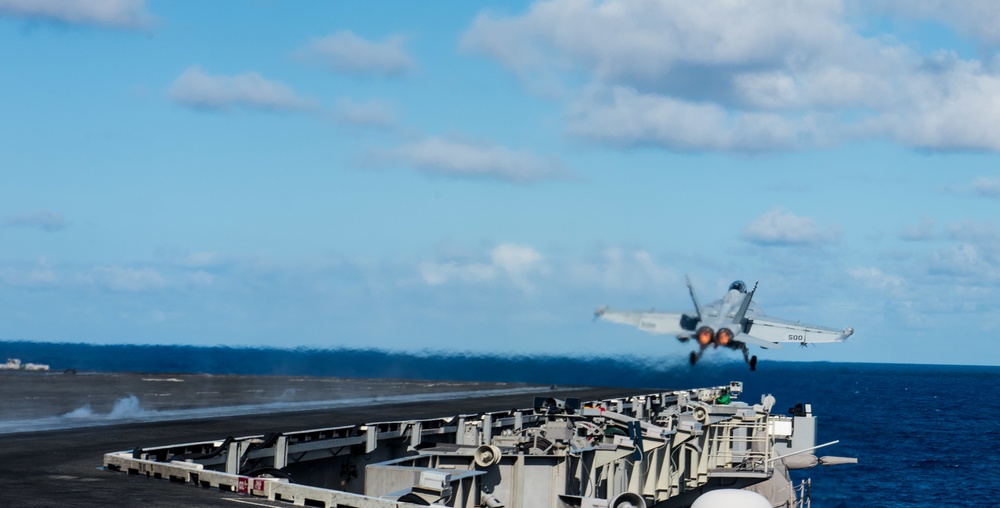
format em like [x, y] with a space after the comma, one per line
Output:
[925, 435]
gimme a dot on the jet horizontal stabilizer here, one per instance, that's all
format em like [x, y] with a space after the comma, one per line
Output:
[757, 341]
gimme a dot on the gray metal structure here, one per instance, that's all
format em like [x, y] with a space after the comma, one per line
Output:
[660, 450]
[731, 322]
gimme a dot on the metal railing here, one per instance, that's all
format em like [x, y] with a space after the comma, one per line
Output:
[740, 445]
[804, 494]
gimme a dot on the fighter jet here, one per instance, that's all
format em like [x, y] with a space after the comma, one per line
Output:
[732, 322]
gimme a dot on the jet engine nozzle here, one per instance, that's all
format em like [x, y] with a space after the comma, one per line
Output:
[705, 335]
[724, 336]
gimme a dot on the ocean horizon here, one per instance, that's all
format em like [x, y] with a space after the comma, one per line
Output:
[606, 369]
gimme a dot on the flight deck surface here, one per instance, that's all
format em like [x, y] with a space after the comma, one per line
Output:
[63, 467]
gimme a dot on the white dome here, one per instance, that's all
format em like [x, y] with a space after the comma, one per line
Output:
[731, 498]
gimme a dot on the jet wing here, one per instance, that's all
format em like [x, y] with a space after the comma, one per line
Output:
[666, 323]
[774, 330]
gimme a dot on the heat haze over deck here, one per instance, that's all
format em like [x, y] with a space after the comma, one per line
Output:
[477, 176]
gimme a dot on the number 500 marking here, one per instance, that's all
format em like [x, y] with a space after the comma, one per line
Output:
[796, 337]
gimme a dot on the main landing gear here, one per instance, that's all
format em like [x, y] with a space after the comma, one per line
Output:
[695, 356]
[751, 361]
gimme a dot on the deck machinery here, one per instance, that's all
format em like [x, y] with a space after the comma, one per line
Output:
[654, 450]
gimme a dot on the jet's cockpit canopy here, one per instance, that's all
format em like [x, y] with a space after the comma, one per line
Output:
[739, 286]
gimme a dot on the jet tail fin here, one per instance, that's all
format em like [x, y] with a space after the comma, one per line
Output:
[697, 306]
[741, 314]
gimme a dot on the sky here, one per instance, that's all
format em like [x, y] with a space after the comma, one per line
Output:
[478, 177]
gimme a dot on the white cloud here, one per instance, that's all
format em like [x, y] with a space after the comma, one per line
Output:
[40, 276]
[779, 227]
[875, 278]
[747, 76]
[626, 117]
[200, 279]
[986, 187]
[824, 88]
[372, 113]
[197, 89]
[436, 274]
[202, 260]
[976, 255]
[345, 52]
[518, 262]
[620, 270]
[925, 230]
[458, 159]
[946, 104]
[190, 272]
[513, 262]
[628, 41]
[46, 220]
[978, 19]
[984, 235]
[108, 13]
[124, 279]
[964, 260]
